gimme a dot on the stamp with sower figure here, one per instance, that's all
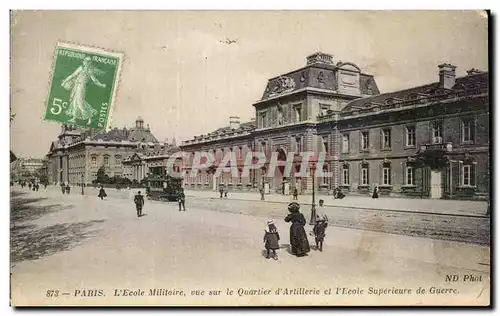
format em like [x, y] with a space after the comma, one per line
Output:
[83, 86]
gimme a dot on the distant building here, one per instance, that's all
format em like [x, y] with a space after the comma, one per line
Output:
[427, 141]
[25, 168]
[78, 154]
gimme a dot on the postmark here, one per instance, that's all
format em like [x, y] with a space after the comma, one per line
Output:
[83, 86]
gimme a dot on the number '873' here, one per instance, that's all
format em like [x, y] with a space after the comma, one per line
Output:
[57, 106]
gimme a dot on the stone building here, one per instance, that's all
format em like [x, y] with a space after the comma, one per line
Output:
[25, 168]
[78, 154]
[390, 140]
[144, 162]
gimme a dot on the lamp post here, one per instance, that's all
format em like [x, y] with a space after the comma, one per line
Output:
[83, 184]
[313, 206]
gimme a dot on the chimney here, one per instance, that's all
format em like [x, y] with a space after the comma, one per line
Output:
[473, 71]
[234, 122]
[446, 76]
[320, 58]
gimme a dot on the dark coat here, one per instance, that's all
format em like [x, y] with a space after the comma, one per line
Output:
[319, 230]
[298, 238]
[102, 193]
[271, 240]
[139, 200]
[375, 193]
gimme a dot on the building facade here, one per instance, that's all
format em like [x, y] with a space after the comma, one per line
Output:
[25, 168]
[77, 154]
[427, 141]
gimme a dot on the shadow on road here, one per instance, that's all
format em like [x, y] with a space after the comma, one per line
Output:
[30, 242]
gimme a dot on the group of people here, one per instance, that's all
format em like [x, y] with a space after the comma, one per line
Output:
[299, 244]
[65, 188]
[139, 202]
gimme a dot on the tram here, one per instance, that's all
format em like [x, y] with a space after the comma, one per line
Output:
[163, 188]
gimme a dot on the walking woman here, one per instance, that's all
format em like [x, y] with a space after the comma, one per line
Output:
[102, 193]
[298, 238]
[375, 192]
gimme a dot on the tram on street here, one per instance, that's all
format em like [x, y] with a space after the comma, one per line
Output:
[163, 188]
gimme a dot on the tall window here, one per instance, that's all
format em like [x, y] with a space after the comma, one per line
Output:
[410, 175]
[325, 144]
[298, 144]
[468, 175]
[386, 138]
[437, 132]
[410, 136]
[298, 113]
[365, 142]
[345, 143]
[325, 178]
[468, 130]
[263, 122]
[364, 174]
[94, 161]
[118, 160]
[345, 175]
[106, 160]
[386, 174]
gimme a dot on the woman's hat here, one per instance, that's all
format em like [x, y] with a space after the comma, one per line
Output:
[270, 222]
[294, 207]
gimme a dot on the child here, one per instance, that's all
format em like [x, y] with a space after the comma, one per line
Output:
[271, 239]
[319, 232]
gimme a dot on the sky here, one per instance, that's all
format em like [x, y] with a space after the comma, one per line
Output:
[180, 78]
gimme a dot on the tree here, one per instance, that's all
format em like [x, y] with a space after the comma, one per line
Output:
[101, 175]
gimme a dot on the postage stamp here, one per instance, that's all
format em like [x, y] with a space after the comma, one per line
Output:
[83, 86]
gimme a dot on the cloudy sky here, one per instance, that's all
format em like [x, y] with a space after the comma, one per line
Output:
[182, 80]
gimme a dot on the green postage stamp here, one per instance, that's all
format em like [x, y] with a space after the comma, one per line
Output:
[83, 86]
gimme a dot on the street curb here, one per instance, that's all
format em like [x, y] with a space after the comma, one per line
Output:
[355, 207]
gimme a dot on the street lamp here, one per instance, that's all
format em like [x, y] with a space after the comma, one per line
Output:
[313, 206]
[83, 184]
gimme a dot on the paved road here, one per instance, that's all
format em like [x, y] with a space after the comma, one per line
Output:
[454, 228]
[71, 243]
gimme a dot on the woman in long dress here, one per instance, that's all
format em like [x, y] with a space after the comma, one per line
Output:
[298, 238]
[76, 83]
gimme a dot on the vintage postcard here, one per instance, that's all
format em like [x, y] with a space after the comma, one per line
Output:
[250, 158]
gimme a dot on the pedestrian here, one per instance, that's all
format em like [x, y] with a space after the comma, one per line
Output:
[37, 186]
[139, 203]
[29, 186]
[298, 238]
[102, 193]
[262, 194]
[375, 192]
[221, 191]
[182, 200]
[319, 231]
[63, 188]
[295, 194]
[45, 185]
[339, 194]
[67, 188]
[321, 202]
[271, 239]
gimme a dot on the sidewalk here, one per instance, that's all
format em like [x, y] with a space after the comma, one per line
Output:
[444, 207]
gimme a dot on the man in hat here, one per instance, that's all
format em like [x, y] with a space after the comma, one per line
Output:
[139, 203]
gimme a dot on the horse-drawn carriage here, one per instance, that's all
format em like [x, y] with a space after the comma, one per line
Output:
[163, 188]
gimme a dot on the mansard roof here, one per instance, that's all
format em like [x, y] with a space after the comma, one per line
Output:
[321, 75]
[468, 82]
[130, 134]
